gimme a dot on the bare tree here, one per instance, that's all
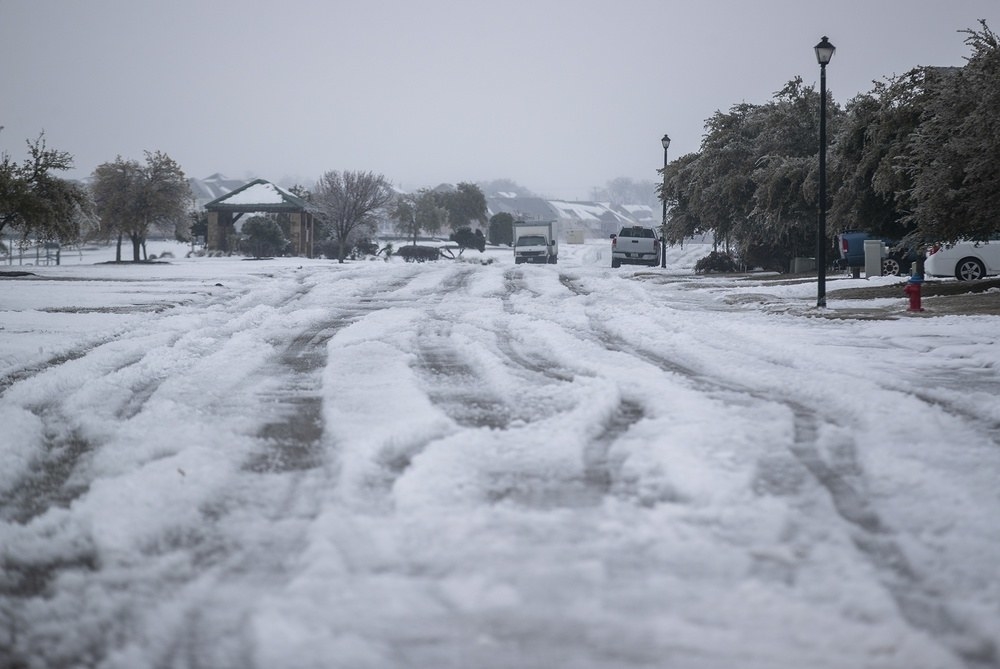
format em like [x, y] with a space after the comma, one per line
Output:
[348, 202]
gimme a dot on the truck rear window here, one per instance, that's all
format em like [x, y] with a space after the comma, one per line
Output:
[646, 233]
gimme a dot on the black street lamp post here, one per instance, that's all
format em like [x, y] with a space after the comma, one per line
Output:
[824, 52]
[663, 229]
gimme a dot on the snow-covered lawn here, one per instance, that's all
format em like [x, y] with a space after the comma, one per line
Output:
[215, 462]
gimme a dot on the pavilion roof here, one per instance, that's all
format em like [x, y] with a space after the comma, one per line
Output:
[259, 195]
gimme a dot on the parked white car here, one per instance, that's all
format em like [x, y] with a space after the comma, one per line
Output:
[966, 261]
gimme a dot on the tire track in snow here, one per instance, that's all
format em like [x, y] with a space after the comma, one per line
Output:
[599, 476]
[225, 557]
[514, 284]
[293, 438]
[54, 482]
[921, 606]
[50, 481]
[76, 353]
[572, 284]
[602, 473]
[453, 385]
[986, 426]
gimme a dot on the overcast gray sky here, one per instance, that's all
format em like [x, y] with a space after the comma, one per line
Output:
[558, 95]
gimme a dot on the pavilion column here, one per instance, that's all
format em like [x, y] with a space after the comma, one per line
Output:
[295, 230]
[212, 238]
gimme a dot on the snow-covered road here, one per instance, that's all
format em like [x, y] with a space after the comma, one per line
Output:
[294, 463]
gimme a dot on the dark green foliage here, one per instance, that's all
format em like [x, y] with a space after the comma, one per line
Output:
[465, 205]
[34, 201]
[754, 180]
[866, 182]
[199, 225]
[419, 213]
[913, 159]
[364, 247]
[467, 239]
[262, 236]
[327, 248]
[953, 161]
[330, 248]
[501, 229]
[769, 257]
[415, 253]
[716, 261]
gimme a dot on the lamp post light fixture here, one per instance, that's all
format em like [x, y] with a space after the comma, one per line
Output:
[663, 225]
[824, 52]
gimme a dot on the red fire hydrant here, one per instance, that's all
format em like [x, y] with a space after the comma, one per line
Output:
[913, 290]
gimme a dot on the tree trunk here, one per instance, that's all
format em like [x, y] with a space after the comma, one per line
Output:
[136, 246]
[118, 249]
[341, 252]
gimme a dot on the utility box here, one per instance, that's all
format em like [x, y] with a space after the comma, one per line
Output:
[803, 265]
[874, 251]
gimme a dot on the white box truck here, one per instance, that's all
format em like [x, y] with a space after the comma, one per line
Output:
[536, 242]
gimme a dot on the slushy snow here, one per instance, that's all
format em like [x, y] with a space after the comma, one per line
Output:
[223, 463]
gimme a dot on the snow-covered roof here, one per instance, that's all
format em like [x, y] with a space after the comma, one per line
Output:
[259, 193]
[637, 208]
[587, 211]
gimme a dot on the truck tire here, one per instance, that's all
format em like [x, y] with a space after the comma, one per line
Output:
[615, 263]
[891, 267]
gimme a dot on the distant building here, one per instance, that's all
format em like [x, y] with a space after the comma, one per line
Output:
[587, 219]
[212, 188]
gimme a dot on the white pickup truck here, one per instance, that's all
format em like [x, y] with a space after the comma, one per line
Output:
[635, 245]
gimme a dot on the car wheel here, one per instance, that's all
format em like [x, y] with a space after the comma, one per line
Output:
[891, 267]
[615, 264]
[969, 269]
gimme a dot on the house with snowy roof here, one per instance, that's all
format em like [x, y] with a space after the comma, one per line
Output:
[577, 220]
[212, 187]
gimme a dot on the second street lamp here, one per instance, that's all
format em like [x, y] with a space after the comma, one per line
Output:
[824, 52]
[663, 195]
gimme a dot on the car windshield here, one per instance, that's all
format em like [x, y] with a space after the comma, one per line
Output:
[531, 240]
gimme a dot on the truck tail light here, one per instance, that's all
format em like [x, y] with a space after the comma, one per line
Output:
[843, 246]
[614, 243]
